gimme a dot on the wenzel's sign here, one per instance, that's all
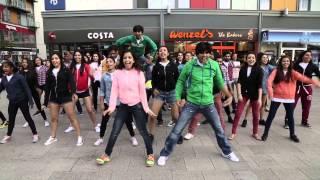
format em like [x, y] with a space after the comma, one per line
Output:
[212, 34]
[202, 34]
[100, 35]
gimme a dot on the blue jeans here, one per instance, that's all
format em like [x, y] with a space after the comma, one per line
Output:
[188, 111]
[140, 117]
[141, 60]
[167, 96]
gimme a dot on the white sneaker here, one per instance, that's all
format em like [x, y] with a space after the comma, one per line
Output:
[198, 123]
[50, 141]
[98, 124]
[171, 123]
[232, 156]
[35, 138]
[79, 141]
[134, 141]
[69, 129]
[25, 125]
[97, 129]
[134, 126]
[46, 124]
[98, 142]
[188, 136]
[162, 160]
[5, 139]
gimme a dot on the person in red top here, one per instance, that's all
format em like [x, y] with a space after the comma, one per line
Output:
[81, 73]
[281, 89]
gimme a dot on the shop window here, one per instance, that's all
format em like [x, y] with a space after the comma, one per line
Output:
[4, 2]
[161, 4]
[264, 4]
[142, 3]
[224, 4]
[304, 5]
[203, 4]
[23, 20]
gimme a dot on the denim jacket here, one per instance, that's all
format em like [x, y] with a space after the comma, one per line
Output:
[267, 70]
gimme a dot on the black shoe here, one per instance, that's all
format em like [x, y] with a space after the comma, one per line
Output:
[294, 138]
[262, 122]
[286, 126]
[244, 123]
[180, 140]
[230, 120]
[151, 138]
[305, 124]
[264, 137]
[205, 122]
[36, 113]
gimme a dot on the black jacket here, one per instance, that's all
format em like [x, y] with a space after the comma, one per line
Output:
[165, 78]
[63, 86]
[250, 85]
[310, 69]
[31, 77]
[17, 88]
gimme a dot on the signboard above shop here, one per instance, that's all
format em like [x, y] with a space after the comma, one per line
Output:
[55, 4]
[211, 34]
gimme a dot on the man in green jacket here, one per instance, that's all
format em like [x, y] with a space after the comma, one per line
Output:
[198, 78]
[138, 43]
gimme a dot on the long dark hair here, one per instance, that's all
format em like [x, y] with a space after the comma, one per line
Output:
[259, 58]
[34, 61]
[245, 64]
[74, 63]
[30, 65]
[99, 57]
[61, 61]
[280, 74]
[300, 58]
[135, 65]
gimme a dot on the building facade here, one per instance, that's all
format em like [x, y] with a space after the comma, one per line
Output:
[17, 29]
[273, 26]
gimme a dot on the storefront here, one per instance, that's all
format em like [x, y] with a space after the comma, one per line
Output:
[16, 42]
[223, 40]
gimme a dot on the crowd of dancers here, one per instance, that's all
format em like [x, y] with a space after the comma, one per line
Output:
[193, 84]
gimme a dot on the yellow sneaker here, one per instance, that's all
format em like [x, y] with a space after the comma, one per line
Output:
[150, 160]
[103, 159]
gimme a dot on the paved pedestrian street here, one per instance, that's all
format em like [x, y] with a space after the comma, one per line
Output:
[199, 158]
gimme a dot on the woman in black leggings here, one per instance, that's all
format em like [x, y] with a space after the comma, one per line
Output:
[19, 96]
[31, 76]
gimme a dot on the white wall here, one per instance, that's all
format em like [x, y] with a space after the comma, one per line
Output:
[315, 5]
[38, 8]
[98, 4]
[245, 4]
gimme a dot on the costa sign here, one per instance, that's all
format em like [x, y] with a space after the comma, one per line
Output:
[100, 35]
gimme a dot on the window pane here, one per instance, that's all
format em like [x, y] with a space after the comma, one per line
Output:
[264, 4]
[304, 5]
[142, 3]
[224, 4]
[161, 4]
[183, 3]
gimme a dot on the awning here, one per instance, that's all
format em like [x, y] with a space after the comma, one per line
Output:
[302, 36]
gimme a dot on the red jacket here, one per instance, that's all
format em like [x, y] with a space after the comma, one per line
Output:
[82, 81]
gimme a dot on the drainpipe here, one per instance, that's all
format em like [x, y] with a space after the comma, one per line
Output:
[162, 42]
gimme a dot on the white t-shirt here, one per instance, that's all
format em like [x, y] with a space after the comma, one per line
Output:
[164, 63]
[9, 77]
[303, 65]
[55, 71]
[78, 66]
[38, 68]
[249, 71]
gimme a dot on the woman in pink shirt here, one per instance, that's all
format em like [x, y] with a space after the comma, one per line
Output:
[281, 89]
[128, 85]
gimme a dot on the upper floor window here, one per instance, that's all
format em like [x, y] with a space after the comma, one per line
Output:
[161, 4]
[264, 4]
[304, 5]
[224, 4]
[6, 15]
